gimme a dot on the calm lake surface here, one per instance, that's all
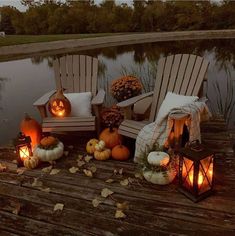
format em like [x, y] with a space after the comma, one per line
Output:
[23, 81]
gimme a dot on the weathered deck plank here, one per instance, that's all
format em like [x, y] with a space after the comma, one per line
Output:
[154, 210]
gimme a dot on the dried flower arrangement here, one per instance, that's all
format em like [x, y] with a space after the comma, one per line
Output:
[112, 116]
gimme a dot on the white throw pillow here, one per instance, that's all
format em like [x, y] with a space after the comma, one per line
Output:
[80, 104]
[171, 101]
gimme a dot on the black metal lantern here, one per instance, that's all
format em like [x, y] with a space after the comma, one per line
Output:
[196, 171]
[23, 148]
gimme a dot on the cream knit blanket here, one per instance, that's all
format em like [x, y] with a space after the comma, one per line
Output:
[158, 131]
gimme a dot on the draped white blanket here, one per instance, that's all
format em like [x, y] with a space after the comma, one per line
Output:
[158, 131]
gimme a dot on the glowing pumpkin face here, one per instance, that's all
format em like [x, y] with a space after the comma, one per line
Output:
[59, 105]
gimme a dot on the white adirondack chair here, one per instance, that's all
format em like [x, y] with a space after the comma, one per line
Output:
[74, 73]
[182, 74]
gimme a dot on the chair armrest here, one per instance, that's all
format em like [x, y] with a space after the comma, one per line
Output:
[42, 101]
[131, 101]
[99, 98]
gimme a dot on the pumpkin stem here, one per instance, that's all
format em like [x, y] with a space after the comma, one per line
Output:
[26, 116]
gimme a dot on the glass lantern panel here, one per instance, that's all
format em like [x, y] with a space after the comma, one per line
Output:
[24, 152]
[205, 174]
[187, 173]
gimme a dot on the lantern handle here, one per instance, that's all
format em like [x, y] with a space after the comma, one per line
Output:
[195, 146]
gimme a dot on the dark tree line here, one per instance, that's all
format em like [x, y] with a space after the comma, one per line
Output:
[72, 17]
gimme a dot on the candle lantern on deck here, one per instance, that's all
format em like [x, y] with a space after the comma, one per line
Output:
[196, 171]
[23, 148]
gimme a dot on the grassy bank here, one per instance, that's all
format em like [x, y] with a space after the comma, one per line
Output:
[22, 39]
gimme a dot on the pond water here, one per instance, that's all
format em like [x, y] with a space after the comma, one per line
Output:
[23, 81]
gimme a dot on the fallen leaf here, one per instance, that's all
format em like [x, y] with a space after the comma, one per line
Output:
[120, 171]
[92, 169]
[14, 161]
[47, 169]
[122, 206]
[80, 163]
[21, 170]
[88, 173]
[80, 157]
[59, 206]
[109, 180]
[119, 214]
[16, 210]
[124, 182]
[70, 147]
[2, 168]
[115, 171]
[47, 190]
[96, 202]
[131, 180]
[73, 170]
[138, 175]
[106, 192]
[66, 153]
[54, 171]
[87, 158]
[37, 183]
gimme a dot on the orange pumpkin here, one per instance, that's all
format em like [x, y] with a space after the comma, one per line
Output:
[59, 105]
[32, 128]
[120, 152]
[111, 137]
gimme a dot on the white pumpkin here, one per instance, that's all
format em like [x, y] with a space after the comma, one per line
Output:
[50, 154]
[158, 158]
[161, 178]
[100, 146]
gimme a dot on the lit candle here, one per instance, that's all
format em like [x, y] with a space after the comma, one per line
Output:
[24, 153]
[200, 178]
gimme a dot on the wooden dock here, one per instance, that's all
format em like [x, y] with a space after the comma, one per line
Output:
[28, 209]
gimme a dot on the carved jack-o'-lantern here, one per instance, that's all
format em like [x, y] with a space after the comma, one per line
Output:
[59, 105]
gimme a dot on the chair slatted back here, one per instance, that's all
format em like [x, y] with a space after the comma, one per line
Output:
[180, 73]
[76, 73]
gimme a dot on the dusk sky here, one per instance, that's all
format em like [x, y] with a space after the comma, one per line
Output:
[17, 4]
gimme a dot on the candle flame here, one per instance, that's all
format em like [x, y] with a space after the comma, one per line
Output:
[24, 152]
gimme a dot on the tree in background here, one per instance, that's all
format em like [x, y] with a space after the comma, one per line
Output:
[73, 17]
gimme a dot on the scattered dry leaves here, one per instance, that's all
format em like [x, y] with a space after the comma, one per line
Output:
[17, 208]
[47, 190]
[122, 206]
[119, 214]
[124, 182]
[54, 171]
[87, 158]
[120, 171]
[138, 175]
[131, 180]
[37, 183]
[109, 181]
[106, 192]
[88, 173]
[58, 207]
[3, 167]
[80, 163]
[20, 170]
[96, 202]
[47, 169]
[93, 169]
[80, 157]
[73, 170]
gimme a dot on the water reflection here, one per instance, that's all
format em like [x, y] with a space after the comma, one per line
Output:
[28, 79]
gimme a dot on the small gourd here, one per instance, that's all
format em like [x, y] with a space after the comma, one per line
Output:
[102, 155]
[90, 147]
[100, 145]
[31, 162]
[158, 158]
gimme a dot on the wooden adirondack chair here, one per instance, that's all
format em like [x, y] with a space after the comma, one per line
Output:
[74, 73]
[182, 74]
